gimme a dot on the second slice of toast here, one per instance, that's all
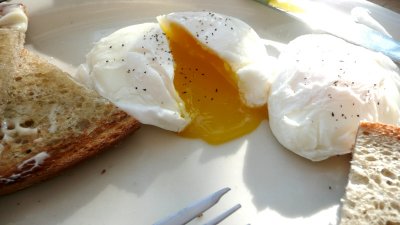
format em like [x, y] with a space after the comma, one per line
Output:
[373, 190]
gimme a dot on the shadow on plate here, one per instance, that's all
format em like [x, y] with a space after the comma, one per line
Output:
[281, 181]
[127, 167]
[133, 167]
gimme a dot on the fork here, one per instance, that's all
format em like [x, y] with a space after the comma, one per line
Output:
[194, 210]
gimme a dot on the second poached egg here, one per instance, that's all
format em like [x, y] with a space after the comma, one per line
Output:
[326, 86]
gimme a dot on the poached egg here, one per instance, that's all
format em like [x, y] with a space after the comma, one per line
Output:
[201, 74]
[325, 88]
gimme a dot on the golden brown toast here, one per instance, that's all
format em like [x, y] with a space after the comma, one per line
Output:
[48, 121]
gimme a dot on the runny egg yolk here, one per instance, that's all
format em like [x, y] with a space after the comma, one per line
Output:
[207, 85]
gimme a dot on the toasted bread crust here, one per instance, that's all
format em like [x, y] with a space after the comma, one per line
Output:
[73, 151]
[380, 128]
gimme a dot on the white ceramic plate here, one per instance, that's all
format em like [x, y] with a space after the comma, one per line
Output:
[154, 173]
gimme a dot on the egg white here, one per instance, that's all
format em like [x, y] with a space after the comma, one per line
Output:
[325, 87]
[133, 68]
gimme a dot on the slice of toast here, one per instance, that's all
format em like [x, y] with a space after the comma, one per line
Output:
[373, 190]
[48, 122]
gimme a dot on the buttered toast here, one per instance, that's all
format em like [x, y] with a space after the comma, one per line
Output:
[48, 121]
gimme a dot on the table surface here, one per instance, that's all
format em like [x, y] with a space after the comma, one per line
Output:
[393, 5]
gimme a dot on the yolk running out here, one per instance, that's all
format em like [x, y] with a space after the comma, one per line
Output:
[208, 88]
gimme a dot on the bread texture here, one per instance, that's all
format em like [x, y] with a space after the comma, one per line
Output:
[48, 121]
[373, 190]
